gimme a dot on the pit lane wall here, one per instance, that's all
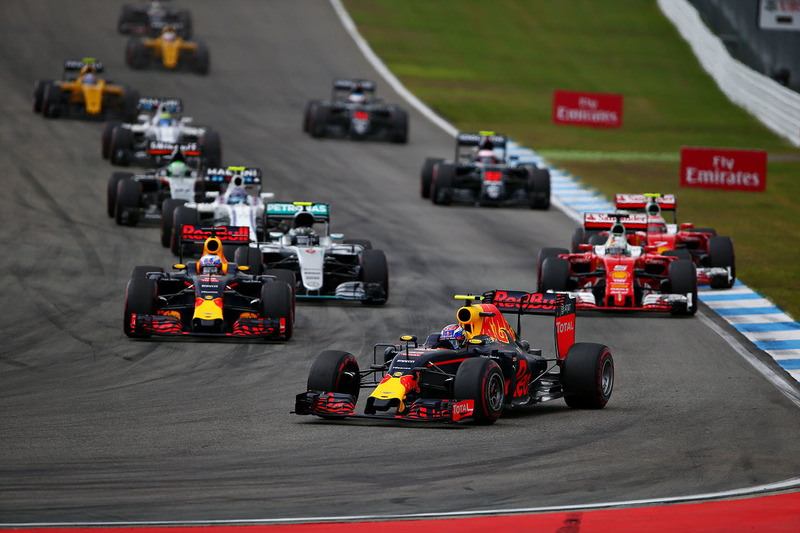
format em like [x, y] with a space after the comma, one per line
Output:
[776, 106]
[758, 319]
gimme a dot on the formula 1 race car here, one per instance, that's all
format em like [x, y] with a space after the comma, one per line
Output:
[481, 174]
[152, 18]
[151, 141]
[84, 95]
[327, 266]
[355, 113]
[208, 297]
[232, 197]
[470, 372]
[617, 275]
[169, 51]
[712, 254]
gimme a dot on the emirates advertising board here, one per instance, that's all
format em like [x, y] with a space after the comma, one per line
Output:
[597, 110]
[718, 168]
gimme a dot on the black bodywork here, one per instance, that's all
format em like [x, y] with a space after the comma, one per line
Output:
[152, 17]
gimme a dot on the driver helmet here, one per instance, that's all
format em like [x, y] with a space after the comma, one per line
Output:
[169, 35]
[453, 333]
[177, 169]
[238, 196]
[90, 78]
[617, 241]
[357, 97]
[656, 225]
[165, 119]
[210, 264]
[486, 157]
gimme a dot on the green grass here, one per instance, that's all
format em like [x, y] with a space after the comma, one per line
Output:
[495, 65]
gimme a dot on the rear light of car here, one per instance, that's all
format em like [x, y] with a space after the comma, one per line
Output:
[494, 175]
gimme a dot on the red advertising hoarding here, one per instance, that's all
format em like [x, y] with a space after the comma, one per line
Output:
[598, 110]
[718, 168]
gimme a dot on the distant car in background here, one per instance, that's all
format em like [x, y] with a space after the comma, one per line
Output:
[354, 112]
[169, 51]
[152, 17]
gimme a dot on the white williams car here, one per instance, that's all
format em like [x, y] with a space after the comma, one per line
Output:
[157, 133]
[233, 198]
[325, 264]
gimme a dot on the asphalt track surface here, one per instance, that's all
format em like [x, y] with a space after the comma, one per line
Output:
[96, 427]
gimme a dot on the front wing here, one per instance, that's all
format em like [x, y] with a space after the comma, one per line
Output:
[244, 327]
[340, 405]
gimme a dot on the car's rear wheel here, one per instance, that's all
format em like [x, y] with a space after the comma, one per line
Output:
[121, 146]
[140, 297]
[182, 216]
[335, 371]
[202, 59]
[720, 254]
[277, 304]
[375, 270]
[481, 380]
[136, 53]
[168, 218]
[399, 127]
[211, 148]
[443, 175]
[544, 253]
[249, 257]
[319, 121]
[111, 191]
[555, 275]
[129, 194]
[51, 101]
[39, 87]
[105, 137]
[683, 280]
[587, 375]
[538, 188]
[426, 176]
[130, 105]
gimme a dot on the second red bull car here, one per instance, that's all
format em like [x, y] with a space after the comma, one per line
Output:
[470, 372]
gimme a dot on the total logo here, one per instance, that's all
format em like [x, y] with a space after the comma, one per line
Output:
[463, 409]
[564, 327]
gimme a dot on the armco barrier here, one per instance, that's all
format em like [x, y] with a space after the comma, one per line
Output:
[770, 102]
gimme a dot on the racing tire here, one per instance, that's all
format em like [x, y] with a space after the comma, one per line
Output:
[249, 257]
[598, 239]
[121, 147]
[130, 105]
[587, 375]
[319, 121]
[39, 87]
[443, 175]
[111, 192]
[182, 216]
[683, 280]
[167, 219]
[129, 195]
[398, 129]
[335, 371]
[136, 53]
[375, 269]
[287, 276]
[555, 275]
[426, 176]
[538, 188]
[140, 298]
[365, 243]
[202, 59]
[277, 303]
[308, 114]
[581, 236]
[211, 148]
[481, 380]
[105, 137]
[141, 271]
[720, 254]
[544, 253]
[51, 101]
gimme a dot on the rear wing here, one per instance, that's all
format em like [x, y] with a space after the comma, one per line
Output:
[561, 306]
[602, 221]
[160, 25]
[650, 203]
[191, 149]
[287, 210]
[170, 105]
[75, 65]
[250, 176]
[348, 84]
[475, 139]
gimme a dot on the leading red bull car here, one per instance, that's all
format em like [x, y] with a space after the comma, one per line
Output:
[470, 372]
[210, 296]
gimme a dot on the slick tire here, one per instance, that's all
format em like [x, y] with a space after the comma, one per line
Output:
[111, 192]
[202, 59]
[443, 175]
[181, 216]
[426, 176]
[554, 275]
[130, 105]
[249, 257]
[481, 380]
[319, 121]
[121, 147]
[587, 376]
[168, 218]
[683, 280]
[544, 253]
[375, 269]
[308, 114]
[581, 236]
[720, 254]
[136, 53]
[284, 275]
[129, 195]
[51, 101]
[105, 137]
[211, 148]
[335, 371]
[399, 127]
[277, 303]
[39, 87]
[140, 296]
[538, 188]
